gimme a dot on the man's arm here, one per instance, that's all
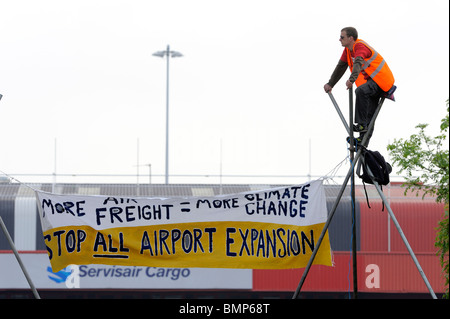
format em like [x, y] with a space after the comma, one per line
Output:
[361, 53]
[338, 72]
[357, 66]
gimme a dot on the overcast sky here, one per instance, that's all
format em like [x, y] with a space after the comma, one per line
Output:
[251, 79]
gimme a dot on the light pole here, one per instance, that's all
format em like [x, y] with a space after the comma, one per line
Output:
[168, 54]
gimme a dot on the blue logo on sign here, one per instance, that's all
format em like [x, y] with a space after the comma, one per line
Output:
[59, 276]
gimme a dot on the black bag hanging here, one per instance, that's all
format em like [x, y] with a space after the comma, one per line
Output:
[378, 166]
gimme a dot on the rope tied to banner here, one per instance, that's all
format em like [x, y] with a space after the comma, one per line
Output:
[12, 178]
[330, 176]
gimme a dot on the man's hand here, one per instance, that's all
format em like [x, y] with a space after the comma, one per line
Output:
[327, 88]
[349, 84]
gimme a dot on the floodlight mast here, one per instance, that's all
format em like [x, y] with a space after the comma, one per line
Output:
[168, 54]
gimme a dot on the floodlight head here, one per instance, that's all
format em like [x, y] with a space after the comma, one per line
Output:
[161, 54]
[175, 54]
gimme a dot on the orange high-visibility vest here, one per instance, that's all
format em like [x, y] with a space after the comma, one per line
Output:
[375, 66]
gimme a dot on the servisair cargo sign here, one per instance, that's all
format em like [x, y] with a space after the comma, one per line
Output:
[268, 229]
[115, 277]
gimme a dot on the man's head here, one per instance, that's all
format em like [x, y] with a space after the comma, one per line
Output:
[348, 36]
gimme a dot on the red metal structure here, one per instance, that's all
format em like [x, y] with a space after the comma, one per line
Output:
[384, 264]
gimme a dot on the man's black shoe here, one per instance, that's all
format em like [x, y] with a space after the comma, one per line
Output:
[356, 140]
[359, 128]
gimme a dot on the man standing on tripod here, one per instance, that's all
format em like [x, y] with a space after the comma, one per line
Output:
[370, 73]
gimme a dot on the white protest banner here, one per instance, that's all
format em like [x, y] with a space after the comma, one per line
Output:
[268, 229]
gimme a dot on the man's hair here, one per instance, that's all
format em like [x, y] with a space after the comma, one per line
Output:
[351, 32]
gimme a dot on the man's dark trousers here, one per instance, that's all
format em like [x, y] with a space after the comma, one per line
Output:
[367, 98]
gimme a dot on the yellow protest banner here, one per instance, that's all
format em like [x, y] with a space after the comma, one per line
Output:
[268, 229]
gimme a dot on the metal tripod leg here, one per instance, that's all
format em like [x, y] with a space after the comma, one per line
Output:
[400, 231]
[372, 122]
[339, 112]
[352, 194]
[341, 192]
[365, 141]
[325, 228]
[13, 247]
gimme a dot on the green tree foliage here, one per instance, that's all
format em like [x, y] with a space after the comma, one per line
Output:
[425, 161]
